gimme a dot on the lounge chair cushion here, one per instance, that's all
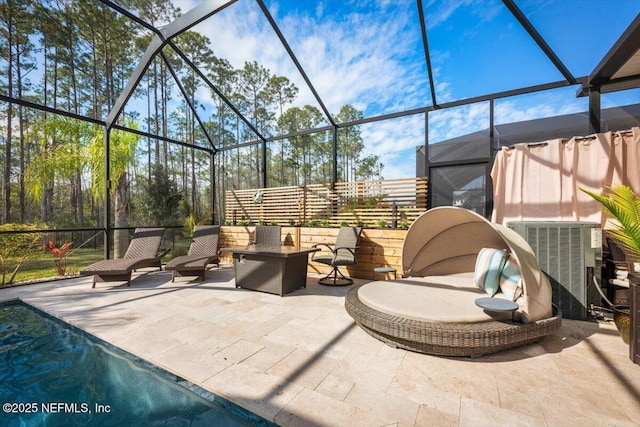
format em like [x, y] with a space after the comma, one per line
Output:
[190, 263]
[433, 299]
[511, 280]
[113, 267]
[489, 265]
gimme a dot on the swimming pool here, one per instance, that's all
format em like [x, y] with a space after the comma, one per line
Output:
[53, 374]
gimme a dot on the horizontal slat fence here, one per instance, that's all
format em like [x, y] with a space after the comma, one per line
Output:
[382, 203]
[378, 247]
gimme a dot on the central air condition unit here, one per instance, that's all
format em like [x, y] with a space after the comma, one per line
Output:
[565, 253]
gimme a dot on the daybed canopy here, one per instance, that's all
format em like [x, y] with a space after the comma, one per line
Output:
[446, 240]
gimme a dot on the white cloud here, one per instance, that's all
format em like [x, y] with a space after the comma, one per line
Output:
[439, 12]
[394, 142]
[358, 58]
[458, 121]
[539, 105]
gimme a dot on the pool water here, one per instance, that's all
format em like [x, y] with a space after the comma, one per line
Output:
[52, 374]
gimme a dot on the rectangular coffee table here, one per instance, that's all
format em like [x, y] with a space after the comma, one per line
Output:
[273, 269]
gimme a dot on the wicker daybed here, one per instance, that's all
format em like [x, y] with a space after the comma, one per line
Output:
[431, 309]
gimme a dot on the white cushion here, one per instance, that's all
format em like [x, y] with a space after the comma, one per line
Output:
[434, 299]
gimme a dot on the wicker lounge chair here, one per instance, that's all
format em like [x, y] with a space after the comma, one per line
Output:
[142, 252]
[431, 310]
[202, 252]
[341, 254]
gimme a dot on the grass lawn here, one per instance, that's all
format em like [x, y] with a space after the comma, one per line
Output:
[39, 265]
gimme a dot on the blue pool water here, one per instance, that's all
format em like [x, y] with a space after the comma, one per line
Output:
[52, 374]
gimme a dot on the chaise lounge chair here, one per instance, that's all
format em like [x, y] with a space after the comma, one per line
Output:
[433, 309]
[202, 252]
[142, 252]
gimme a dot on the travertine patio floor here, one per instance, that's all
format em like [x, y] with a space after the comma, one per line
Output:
[300, 360]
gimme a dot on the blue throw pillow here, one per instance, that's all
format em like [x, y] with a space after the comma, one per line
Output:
[489, 265]
[511, 280]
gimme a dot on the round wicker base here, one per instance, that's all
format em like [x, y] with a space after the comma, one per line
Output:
[447, 339]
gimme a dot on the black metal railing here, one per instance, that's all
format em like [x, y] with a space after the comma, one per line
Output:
[30, 258]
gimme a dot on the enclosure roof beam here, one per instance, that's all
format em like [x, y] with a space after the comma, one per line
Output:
[427, 56]
[51, 110]
[620, 67]
[130, 15]
[293, 57]
[216, 90]
[188, 100]
[279, 137]
[535, 35]
[162, 138]
[175, 28]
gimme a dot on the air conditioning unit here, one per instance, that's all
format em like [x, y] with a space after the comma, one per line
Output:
[567, 255]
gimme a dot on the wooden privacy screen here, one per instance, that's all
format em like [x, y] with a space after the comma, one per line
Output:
[378, 247]
[394, 202]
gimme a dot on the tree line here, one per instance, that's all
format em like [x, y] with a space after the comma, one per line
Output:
[77, 56]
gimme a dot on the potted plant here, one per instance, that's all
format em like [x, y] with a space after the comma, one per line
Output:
[623, 205]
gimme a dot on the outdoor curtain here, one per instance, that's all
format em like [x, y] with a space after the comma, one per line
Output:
[542, 181]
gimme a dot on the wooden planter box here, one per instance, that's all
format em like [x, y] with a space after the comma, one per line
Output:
[378, 247]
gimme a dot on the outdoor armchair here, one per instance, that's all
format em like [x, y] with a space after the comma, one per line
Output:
[268, 235]
[341, 254]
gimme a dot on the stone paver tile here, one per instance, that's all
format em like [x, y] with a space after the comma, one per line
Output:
[261, 393]
[629, 401]
[270, 354]
[246, 305]
[261, 314]
[299, 335]
[149, 346]
[335, 387]
[172, 324]
[428, 416]
[356, 339]
[461, 376]
[238, 351]
[199, 330]
[521, 401]
[426, 395]
[304, 368]
[479, 414]
[580, 399]
[215, 314]
[192, 362]
[383, 404]
[367, 370]
[217, 341]
[310, 408]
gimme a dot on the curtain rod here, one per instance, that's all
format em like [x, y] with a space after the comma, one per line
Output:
[579, 138]
[576, 138]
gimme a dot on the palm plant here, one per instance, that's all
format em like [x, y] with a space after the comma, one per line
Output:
[622, 204]
[69, 145]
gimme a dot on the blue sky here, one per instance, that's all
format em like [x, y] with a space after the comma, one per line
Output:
[369, 53]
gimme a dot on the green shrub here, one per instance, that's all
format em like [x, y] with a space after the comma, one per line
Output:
[16, 243]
